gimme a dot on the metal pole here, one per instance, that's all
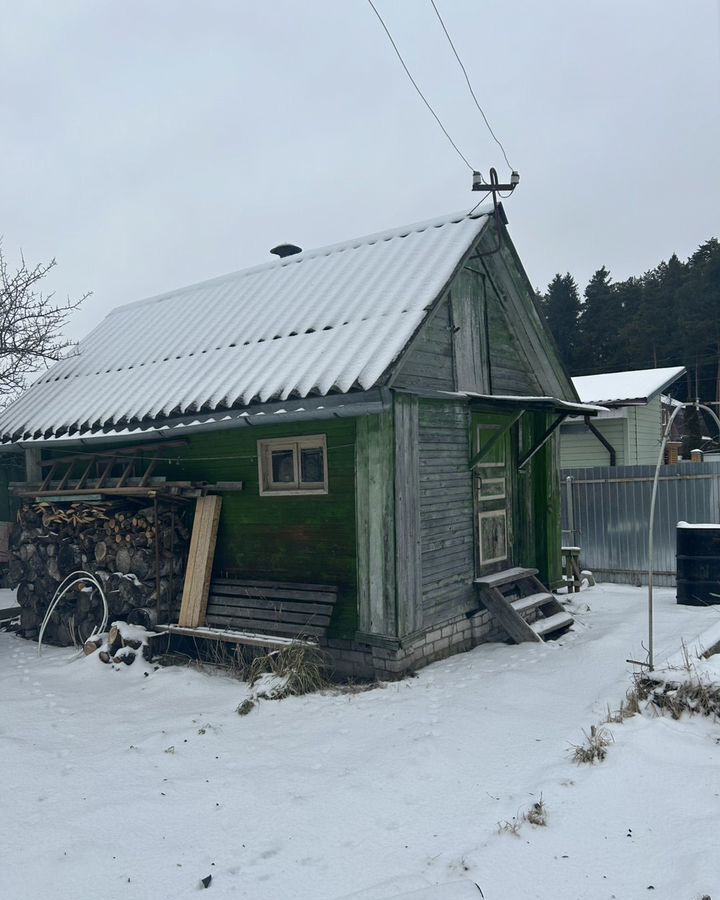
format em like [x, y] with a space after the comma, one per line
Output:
[570, 510]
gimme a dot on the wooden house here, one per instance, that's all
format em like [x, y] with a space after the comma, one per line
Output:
[379, 418]
[629, 430]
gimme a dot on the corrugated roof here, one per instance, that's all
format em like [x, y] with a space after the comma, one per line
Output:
[637, 386]
[320, 322]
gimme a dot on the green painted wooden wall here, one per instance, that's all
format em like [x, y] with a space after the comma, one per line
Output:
[294, 538]
[308, 539]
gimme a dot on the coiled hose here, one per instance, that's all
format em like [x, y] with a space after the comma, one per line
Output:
[70, 581]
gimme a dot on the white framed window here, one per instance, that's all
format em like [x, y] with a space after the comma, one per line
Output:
[294, 465]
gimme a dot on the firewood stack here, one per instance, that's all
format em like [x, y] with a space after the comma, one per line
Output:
[120, 544]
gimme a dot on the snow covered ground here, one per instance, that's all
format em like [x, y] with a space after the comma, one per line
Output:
[138, 783]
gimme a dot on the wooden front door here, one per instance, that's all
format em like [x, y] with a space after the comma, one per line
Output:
[492, 486]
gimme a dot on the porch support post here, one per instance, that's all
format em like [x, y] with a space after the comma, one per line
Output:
[408, 560]
[375, 512]
[33, 471]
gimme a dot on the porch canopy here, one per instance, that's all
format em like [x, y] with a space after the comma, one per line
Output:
[519, 405]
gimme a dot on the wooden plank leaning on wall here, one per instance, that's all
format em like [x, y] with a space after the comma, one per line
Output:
[200, 561]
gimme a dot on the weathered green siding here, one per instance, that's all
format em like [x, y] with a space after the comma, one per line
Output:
[446, 510]
[292, 538]
[429, 361]
[510, 370]
[280, 538]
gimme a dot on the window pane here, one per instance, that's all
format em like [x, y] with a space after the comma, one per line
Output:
[312, 468]
[282, 466]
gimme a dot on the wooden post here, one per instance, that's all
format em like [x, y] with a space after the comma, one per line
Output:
[375, 514]
[200, 560]
[408, 558]
[33, 471]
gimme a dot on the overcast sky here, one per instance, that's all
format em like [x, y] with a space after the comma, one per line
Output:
[152, 144]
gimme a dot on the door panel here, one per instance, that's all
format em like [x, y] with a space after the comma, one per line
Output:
[492, 488]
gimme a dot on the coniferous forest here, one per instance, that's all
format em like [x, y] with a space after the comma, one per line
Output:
[670, 316]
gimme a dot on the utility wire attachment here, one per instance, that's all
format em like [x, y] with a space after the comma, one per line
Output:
[417, 88]
[470, 87]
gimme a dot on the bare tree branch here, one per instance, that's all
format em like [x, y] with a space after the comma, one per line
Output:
[31, 325]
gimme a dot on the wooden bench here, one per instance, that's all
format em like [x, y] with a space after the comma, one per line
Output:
[264, 613]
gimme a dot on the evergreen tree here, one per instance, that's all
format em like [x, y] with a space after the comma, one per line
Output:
[561, 307]
[699, 316]
[669, 316]
[598, 325]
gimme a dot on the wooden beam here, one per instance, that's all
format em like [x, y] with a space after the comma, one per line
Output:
[162, 490]
[126, 471]
[200, 560]
[543, 440]
[83, 477]
[65, 478]
[498, 436]
[105, 472]
[148, 472]
[470, 356]
[236, 637]
[408, 556]
[122, 451]
[48, 477]
[375, 524]
[33, 464]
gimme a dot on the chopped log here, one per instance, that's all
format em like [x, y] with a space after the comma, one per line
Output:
[90, 646]
[123, 560]
[114, 640]
[104, 656]
[100, 551]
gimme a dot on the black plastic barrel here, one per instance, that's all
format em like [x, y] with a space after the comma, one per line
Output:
[698, 564]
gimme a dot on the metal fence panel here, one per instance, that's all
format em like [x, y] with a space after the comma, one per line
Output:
[609, 507]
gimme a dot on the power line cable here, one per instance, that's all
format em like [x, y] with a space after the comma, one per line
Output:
[470, 87]
[417, 88]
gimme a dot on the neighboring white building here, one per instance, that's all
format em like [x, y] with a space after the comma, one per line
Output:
[630, 430]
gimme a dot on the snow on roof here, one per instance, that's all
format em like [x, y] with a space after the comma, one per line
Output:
[618, 388]
[318, 322]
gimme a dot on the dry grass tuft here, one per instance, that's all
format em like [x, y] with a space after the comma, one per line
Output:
[694, 697]
[247, 706]
[510, 827]
[299, 669]
[536, 815]
[595, 746]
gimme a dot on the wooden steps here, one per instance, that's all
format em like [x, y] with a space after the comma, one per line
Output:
[514, 594]
[553, 623]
